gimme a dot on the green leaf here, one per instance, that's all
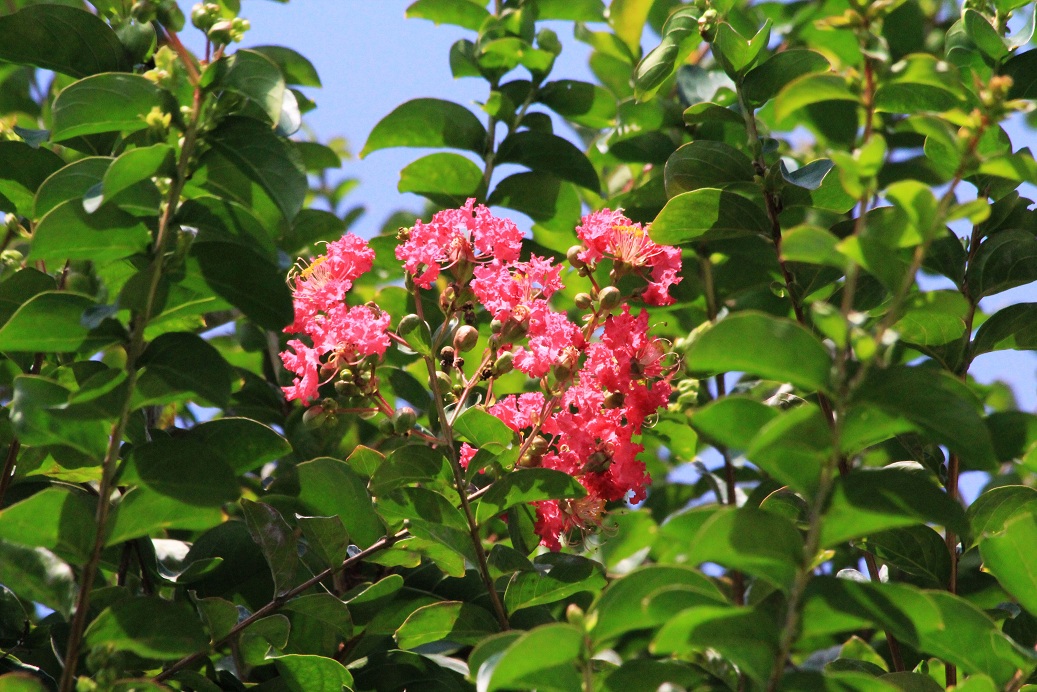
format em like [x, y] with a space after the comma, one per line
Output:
[763, 82]
[627, 19]
[572, 10]
[73, 182]
[542, 658]
[621, 607]
[63, 313]
[680, 35]
[989, 513]
[447, 179]
[734, 52]
[277, 541]
[55, 518]
[772, 347]
[1021, 68]
[938, 403]
[707, 112]
[22, 170]
[867, 501]
[747, 638]
[255, 77]
[307, 673]
[916, 550]
[136, 165]
[295, 68]
[732, 421]
[548, 153]
[431, 516]
[812, 245]
[462, 13]
[794, 447]
[69, 232]
[332, 488]
[182, 363]
[708, 214]
[144, 512]
[319, 622]
[150, 627]
[1012, 328]
[527, 485]
[702, 164]
[1009, 556]
[481, 428]
[557, 576]
[264, 158]
[37, 575]
[41, 414]
[810, 89]
[108, 103]
[933, 318]
[1004, 260]
[182, 468]
[450, 621]
[746, 539]
[983, 35]
[412, 464]
[247, 281]
[325, 536]
[917, 84]
[69, 40]
[428, 123]
[241, 444]
[580, 102]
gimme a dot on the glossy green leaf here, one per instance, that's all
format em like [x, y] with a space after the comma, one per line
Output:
[332, 488]
[149, 627]
[771, 347]
[548, 153]
[812, 245]
[295, 68]
[735, 53]
[938, 404]
[428, 123]
[1013, 327]
[572, 10]
[732, 421]
[447, 179]
[763, 82]
[917, 84]
[580, 102]
[412, 464]
[325, 536]
[708, 214]
[989, 513]
[1004, 260]
[983, 35]
[136, 165]
[41, 414]
[702, 164]
[917, 550]
[182, 468]
[319, 623]
[746, 539]
[1020, 67]
[256, 78]
[794, 447]
[144, 512]
[867, 501]
[241, 444]
[179, 363]
[933, 318]
[527, 485]
[747, 638]
[63, 313]
[265, 159]
[38, 575]
[56, 518]
[276, 539]
[810, 89]
[22, 170]
[621, 606]
[1009, 556]
[542, 658]
[449, 621]
[481, 428]
[307, 673]
[680, 35]
[109, 102]
[557, 576]
[247, 281]
[65, 39]
[68, 232]
[462, 13]
[431, 516]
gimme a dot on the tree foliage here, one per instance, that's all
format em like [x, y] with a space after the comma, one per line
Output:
[198, 493]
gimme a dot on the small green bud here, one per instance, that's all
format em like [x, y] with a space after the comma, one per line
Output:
[496, 326]
[583, 300]
[386, 426]
[314, 417]
[408, 324]
[204, 15]
[504, 364]
[221, 33]
[144, 10]
[573, 256]
[574, 615]
[404, 419]
[465, 338]
[609, 298]
[444, 381]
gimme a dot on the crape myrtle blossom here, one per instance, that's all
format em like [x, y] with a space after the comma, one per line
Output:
[467, 235]
[332, 333]
[608, 233]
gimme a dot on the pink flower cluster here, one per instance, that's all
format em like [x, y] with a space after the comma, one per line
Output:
[466, 235]
[611, 235]
[622, 381]
[333, 332]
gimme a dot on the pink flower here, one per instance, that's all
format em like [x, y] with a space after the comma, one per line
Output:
[501, 288]
[519, 412]
[552, 339]
[608, 233]
[466, 454]
[469, 234]
[323, 283]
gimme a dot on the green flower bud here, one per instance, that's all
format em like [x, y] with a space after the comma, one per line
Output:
[583, 300]
[404, 419]
[314, 417]
[465, 338]
[408, 324]
[609, 298]
[573, 255]
[504, 364]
